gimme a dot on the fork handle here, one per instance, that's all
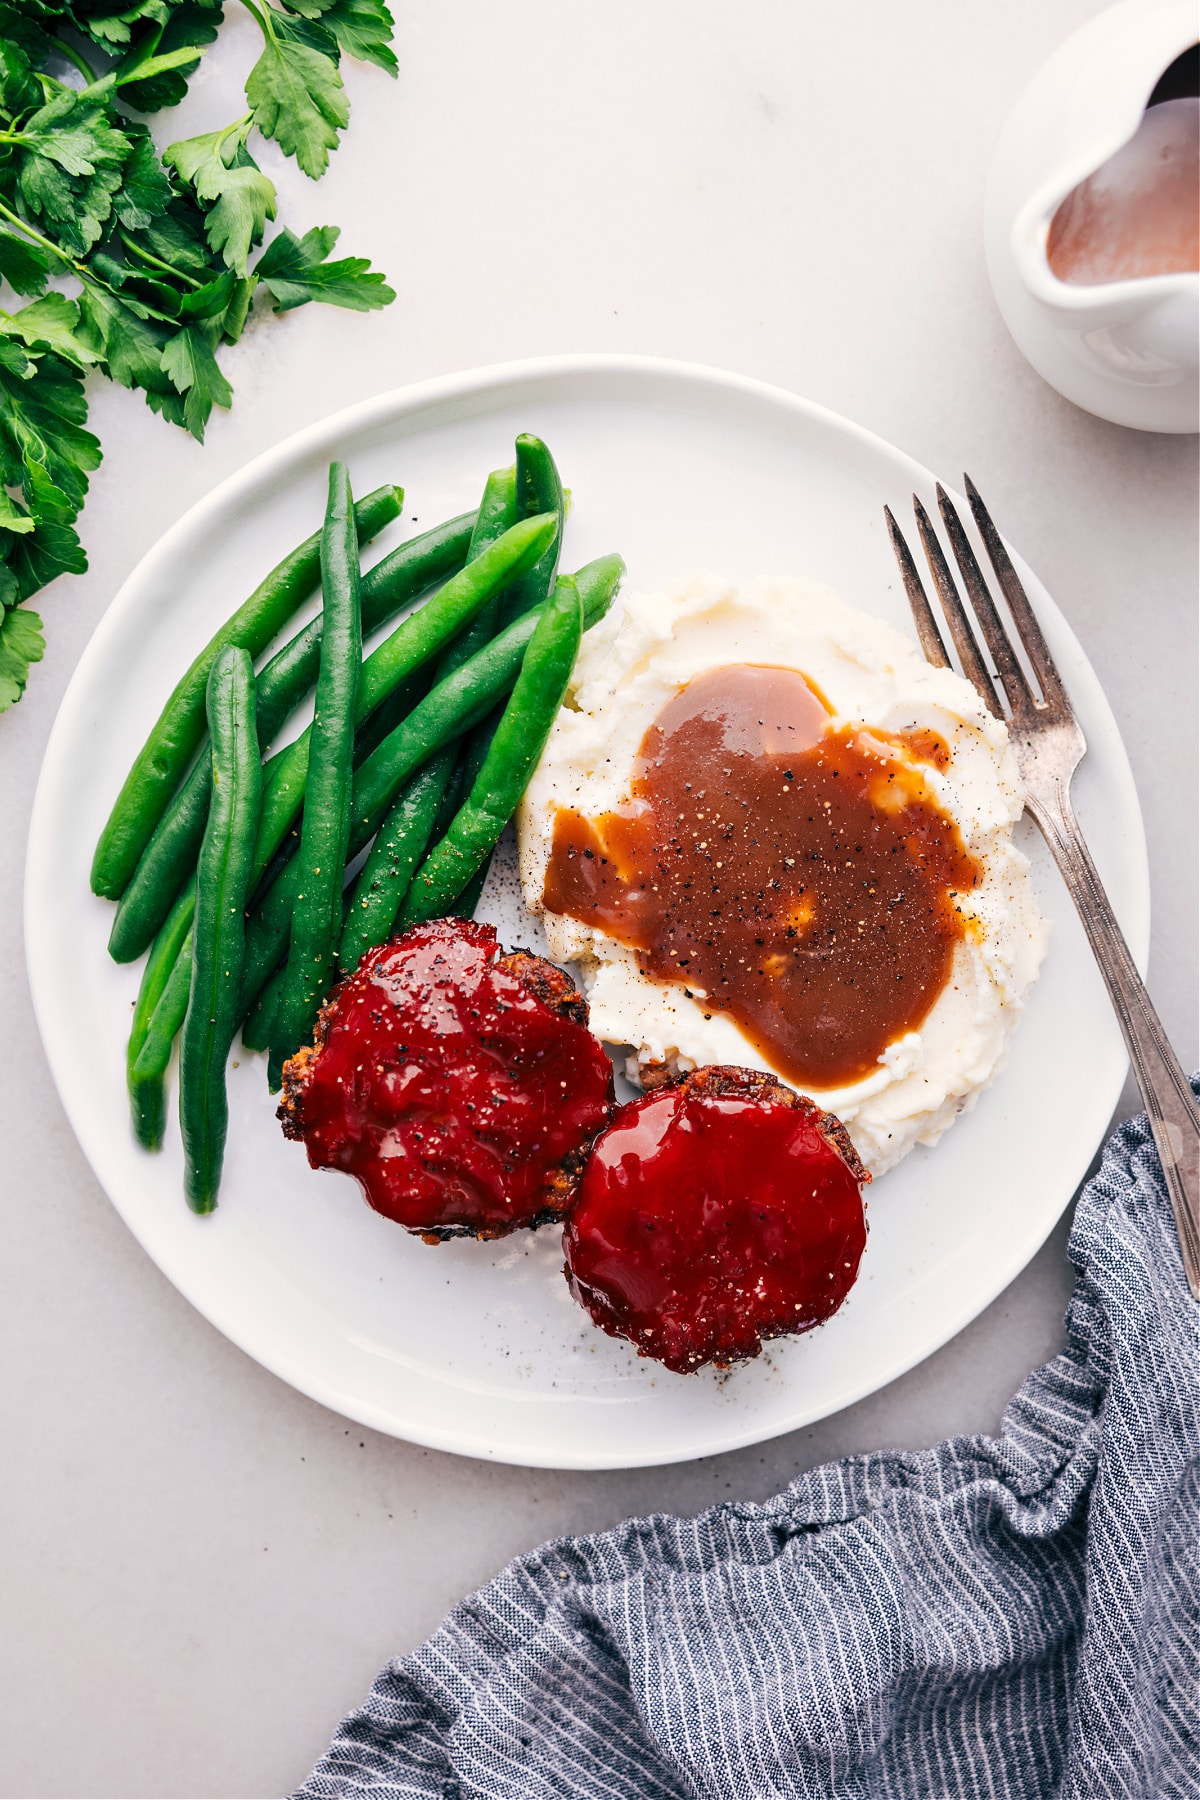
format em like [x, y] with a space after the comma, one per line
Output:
[1165, 1089]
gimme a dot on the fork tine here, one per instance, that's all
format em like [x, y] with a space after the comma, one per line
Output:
[1036, 648]
[918, 600]
[1009, 670]
[974, 667]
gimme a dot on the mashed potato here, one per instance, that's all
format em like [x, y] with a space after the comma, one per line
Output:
[631, 666]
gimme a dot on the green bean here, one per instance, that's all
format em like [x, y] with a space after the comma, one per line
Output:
[393, 663]
[256, 1026]
[391, 712]
[400, 577]
[467, 903]
[472, 753]
[268, 928]
[155, 1053]
[382, 722]
[266, 951]
[400, 843]
[163, 759]
[471, 757]
[281, 684]
[539, 490]
[413, 642]
[453, 794]
[518, 744]
[466, 695]
[325, 828]
[497, 513]
[219, 929]
[147, 1097]
[416, 815]
[453, 706]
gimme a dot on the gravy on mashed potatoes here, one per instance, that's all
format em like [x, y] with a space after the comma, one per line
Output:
[773, 836]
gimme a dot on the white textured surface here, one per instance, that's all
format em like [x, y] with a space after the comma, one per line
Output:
[203, 1567]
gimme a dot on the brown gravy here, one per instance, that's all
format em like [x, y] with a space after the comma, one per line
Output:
[1139, 213]
[801, 879]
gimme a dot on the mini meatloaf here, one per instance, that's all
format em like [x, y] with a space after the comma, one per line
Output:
[460, 1086]
[719, 1210]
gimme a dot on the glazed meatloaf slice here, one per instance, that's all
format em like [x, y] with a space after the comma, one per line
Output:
[459, 1085]
[717, 1211]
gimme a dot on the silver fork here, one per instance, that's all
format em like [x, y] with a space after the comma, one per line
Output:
[1049, 745]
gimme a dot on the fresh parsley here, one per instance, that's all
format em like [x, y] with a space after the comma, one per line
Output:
[163, 256]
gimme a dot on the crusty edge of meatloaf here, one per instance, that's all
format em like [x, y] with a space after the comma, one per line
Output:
[728, 1079]
[295, 1078]
[547, 983]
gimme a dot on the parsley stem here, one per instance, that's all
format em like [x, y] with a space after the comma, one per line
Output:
[73, 56]
[263, 17]
[46, 244]
[90, 279]
[155, 262]
[86, 275]
[229, 130]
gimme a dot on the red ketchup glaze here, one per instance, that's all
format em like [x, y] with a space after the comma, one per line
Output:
[704, 1226]
[448, 1090]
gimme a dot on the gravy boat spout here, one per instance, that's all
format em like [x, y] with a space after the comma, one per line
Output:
[1125, 349]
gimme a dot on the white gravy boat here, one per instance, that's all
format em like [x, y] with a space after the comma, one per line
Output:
[1126, 350]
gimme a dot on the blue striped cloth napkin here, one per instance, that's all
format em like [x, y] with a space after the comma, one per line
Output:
[1013, 1617]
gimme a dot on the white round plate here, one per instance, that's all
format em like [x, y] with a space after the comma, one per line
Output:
[478, 1348]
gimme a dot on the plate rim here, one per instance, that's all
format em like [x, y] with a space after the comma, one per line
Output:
[363, 415]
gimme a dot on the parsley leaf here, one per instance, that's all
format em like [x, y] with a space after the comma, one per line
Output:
[42, 414]
[123, 335]
[18, 87]
[45, 459]
[114, 28]
[306, 30]
[52, 549]
[23, 265]
[362, 28]
[297, 98]
[218, 168]
[12, 516]
[294, 270]
[193, 24]
[222, 304]
[145, 186]
[49, 323]
[69, 160]
[21, 643]
[176, 238]
[19, 27]
[189, 361]
[159, 247]
[211, 300]
[139, 68]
